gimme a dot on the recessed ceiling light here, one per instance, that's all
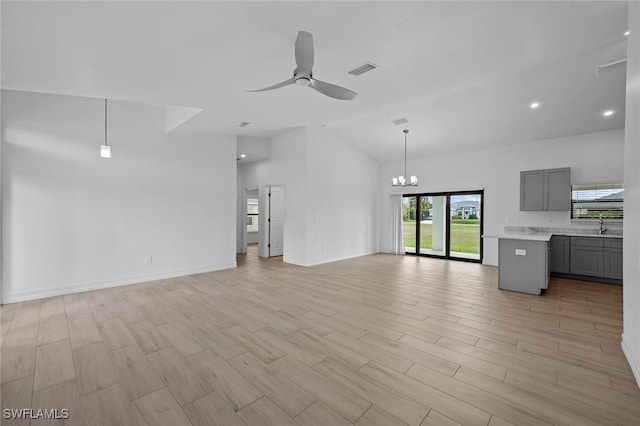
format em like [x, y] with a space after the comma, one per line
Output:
[608, 113]
[243, 155]
[626, 33]
[534, 105]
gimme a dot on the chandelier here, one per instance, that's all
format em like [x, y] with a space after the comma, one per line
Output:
[400, 180]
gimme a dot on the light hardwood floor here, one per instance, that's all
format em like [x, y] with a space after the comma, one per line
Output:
[377, 340]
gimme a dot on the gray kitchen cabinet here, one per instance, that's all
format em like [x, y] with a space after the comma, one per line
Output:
[586, 260]
[612, 258]
[532, 190]
[545, 190]
[560, 254]
[524, 265]
[593, 257]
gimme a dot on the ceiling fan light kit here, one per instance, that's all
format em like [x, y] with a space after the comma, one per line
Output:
[400, 180]
[303, 74]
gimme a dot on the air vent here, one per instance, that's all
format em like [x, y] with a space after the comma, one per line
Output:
[363, 68]
[611, 66]
[399, 121]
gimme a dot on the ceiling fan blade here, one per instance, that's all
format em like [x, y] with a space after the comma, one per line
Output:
[304, 52]
[276, 86]
[332, 90]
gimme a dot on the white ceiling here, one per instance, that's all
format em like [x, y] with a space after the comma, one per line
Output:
[462, 73]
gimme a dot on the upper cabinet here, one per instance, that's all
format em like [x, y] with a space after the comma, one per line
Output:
[545, 190]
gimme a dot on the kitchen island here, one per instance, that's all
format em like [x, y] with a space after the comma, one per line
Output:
[526, 262]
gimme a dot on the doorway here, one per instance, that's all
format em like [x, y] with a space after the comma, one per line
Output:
[252, 219]
[275, 221]
[447, 225]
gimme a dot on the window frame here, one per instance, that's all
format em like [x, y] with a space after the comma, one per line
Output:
[613, 186]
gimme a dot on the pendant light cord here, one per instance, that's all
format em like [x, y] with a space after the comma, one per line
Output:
[405, 153]
[105, 124]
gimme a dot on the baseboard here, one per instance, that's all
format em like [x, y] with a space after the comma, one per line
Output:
[97, 285]
[634, 361]
[338, 259]
[600, 280]
[293, 261]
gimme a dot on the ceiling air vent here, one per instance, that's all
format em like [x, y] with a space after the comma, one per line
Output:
[399, 121]
[363, 68]
[620, 63]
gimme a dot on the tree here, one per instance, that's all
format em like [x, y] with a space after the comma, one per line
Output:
[409, 209]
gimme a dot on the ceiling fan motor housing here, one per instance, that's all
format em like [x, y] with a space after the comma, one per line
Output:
[302, 78]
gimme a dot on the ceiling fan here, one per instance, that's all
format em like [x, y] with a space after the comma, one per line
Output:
[303, 74]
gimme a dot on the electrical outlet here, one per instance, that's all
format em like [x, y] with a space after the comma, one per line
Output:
[148, 260]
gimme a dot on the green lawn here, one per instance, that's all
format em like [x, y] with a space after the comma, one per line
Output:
[465, 235]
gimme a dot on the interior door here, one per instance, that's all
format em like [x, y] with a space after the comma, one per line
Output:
[276, 220]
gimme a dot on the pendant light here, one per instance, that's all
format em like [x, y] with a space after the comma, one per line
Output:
[105, 150]
[400, 180]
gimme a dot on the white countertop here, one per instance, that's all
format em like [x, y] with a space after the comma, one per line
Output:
[530, 236]
[545, 234]
[605, 235]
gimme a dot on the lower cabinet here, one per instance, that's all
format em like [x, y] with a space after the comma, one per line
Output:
[587, 260]
[596, 257]
[560, 254]
[613, 258]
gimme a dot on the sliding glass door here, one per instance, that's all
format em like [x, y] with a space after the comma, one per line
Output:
[433, 225]
[465, 241]
[409, 215]
[445, 225]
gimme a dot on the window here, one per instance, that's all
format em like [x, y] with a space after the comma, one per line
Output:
[590, 201]
[252, 215]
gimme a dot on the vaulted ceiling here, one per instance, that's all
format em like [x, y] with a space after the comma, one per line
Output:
[462, 73]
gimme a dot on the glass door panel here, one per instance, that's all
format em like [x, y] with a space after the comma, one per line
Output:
[433, 225]
[465, 226]
[409, 215]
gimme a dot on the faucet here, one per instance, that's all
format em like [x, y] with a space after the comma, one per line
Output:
[602, 229]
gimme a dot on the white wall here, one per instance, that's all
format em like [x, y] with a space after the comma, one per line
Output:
[254, 148]
[288, 167]
[631, 250]
[241, 211]
[343, 199]
[596, 157]
[1, 165]
[331, 198]
[73, 221]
